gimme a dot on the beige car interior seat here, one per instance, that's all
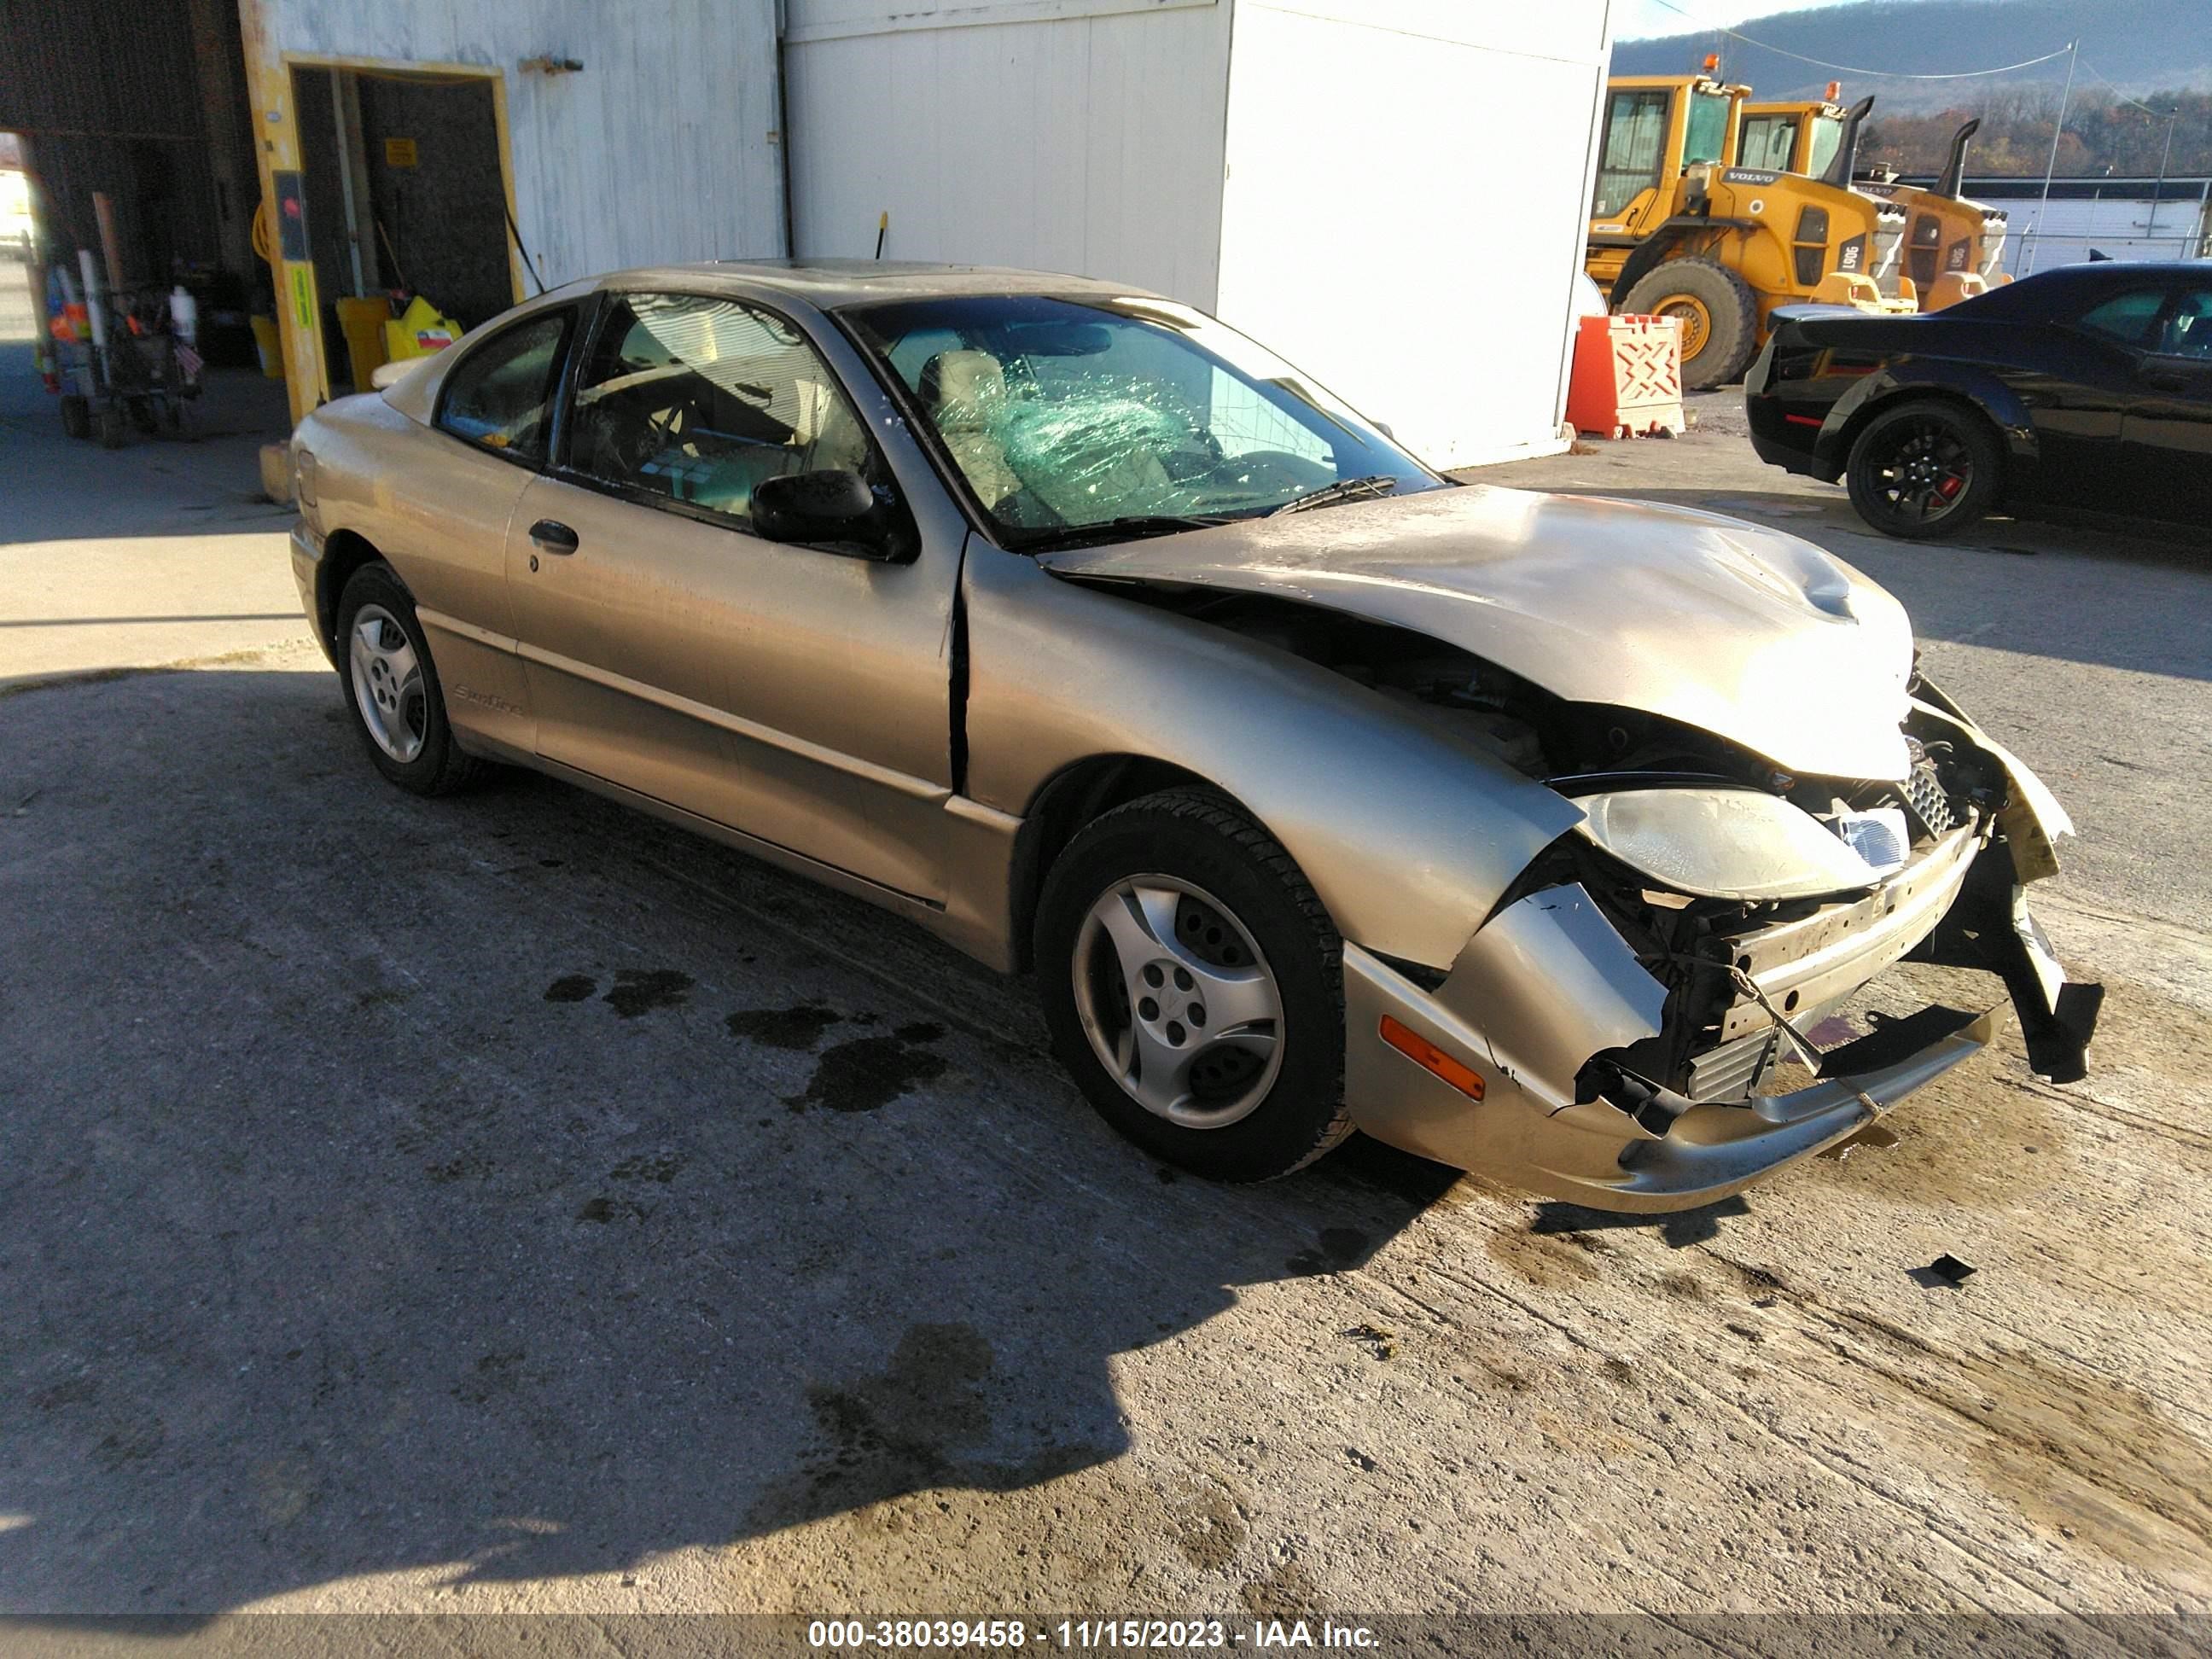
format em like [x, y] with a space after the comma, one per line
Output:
[963, 391]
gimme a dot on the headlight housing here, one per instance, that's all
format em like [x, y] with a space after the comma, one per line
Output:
[1723, 843]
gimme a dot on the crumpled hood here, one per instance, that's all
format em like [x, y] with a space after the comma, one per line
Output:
[1756, 636]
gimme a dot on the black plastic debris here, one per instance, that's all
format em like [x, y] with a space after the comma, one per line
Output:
[1946, 1270]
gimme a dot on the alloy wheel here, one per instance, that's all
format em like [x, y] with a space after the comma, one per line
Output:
[1178, 1002]
[1927, 471]
[387, 683]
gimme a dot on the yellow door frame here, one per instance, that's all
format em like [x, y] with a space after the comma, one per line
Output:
[269, 86]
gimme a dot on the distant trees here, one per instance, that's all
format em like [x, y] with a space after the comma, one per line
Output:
[2103, 135]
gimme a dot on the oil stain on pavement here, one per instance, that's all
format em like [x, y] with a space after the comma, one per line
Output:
[797, 1028]
[571, 987]
[641, 990]
[865, 1074]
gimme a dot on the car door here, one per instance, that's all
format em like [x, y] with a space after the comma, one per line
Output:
[796, 694]
[2079, 379]
[2166, 437]
[494, 413]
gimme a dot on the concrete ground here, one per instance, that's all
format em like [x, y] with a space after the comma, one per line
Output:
[507, 1203]
[157, 552]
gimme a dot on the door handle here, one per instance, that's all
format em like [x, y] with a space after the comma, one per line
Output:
[2165, 381]
[551, 536]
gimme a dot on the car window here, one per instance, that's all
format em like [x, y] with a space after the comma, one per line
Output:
[2130, 318]
[500, 395]
[696, 400]
[1635, 133]
[2187, 331]
[1061, 414]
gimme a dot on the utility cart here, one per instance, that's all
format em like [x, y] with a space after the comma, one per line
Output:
[122, 365]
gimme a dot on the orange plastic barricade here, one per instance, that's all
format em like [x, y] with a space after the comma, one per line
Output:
[1627, 379]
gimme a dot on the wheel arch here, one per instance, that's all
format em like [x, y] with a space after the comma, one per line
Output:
[1993, 404]
[1078, 793]
[344, 552]
[1688, 237]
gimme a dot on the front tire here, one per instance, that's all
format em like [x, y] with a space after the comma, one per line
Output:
[1193, 985]
[391, 687]
[1925, 470]
[1716, 311]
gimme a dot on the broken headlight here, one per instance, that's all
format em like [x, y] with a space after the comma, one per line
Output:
[1725, 844]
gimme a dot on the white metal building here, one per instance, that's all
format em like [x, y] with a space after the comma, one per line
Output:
[2119, 218]
[1391, 194]
[417, 130]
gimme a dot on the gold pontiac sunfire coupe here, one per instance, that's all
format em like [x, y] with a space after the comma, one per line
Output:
[1553, 837]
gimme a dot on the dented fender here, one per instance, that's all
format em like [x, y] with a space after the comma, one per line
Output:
[1553, 982]
[1408, 832]
[2032, 820]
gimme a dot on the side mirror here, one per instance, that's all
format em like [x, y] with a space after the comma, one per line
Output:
[832, 510]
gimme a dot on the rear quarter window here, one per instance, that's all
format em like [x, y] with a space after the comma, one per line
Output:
[500, 395]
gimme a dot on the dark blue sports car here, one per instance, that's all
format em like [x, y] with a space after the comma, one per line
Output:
[2086, 388]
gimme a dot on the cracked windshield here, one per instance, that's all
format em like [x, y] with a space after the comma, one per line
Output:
[1066, 417]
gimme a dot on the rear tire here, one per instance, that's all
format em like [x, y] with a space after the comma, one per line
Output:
[1193, 985]
[1717, 313]
[1925, 470]
[391, 687]
[77, 414]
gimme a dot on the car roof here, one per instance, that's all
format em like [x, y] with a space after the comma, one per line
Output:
[825, 285]
[833, 284]
[2032, 295]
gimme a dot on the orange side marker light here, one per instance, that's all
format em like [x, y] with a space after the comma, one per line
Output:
[1430, 1058]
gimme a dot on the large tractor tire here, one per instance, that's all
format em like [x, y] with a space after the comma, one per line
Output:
[1718, 316]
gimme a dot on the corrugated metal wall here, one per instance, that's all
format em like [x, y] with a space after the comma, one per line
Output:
[661, 147]
[1084, 137]
[108, 94]
[2118, 226]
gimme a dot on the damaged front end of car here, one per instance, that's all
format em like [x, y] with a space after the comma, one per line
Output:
[1672, 1001]
[1685, 989]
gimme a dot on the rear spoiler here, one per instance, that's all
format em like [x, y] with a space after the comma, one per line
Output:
[1954, 169]
[1847, 146]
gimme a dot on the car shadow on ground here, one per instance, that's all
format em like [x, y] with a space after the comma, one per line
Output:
[510, 1185]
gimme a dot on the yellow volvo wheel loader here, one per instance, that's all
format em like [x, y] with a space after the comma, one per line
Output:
[1680, 229]
[1953, 247]
[1792, 137]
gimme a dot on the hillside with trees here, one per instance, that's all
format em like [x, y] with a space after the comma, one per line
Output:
[2102, 134]
[2134, 52]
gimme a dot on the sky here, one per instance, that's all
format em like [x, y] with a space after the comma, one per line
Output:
[1636, 20]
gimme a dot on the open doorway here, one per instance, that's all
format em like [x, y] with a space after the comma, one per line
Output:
[19, 311]
[405, 197]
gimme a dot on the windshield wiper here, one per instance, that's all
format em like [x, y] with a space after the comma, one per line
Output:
[1129, 527]
[1344, 490]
